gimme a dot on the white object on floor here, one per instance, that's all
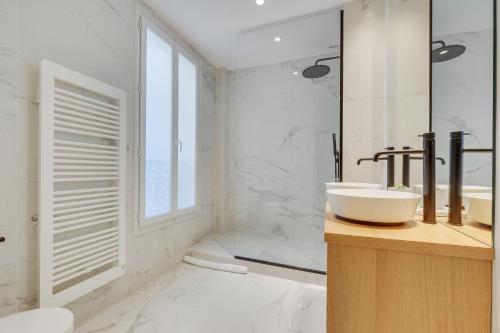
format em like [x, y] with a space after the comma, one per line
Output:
[211, 248]
[83, 183]
[45, 320]
[373, 205]
[346, 185]
[216, 266]
[480, 207]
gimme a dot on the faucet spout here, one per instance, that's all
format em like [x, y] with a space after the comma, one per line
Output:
[429, 167]
[369, 159]
[363, 160]
[379, 154]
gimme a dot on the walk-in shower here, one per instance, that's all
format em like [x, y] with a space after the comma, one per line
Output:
[279, 142]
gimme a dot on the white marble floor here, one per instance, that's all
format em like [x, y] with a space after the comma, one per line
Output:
[309, 255]
[190, 299]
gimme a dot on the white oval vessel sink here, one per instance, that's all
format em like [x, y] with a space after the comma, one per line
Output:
[379, 206]
[442, 193]
[479, 207]
[350, 185]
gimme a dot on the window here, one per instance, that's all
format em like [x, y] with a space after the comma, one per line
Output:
[168, 103]
[186, 163]
[158, 127]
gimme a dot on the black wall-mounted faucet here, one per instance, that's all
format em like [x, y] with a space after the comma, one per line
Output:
[456, 174]
[390, 166]
[429, 160]
[406, 165]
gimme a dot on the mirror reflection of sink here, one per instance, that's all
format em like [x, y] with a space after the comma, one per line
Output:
[442, 196]
[351, 185]
[373, 206]
[479, 207]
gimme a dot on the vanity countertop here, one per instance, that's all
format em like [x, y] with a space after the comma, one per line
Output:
[413, 237]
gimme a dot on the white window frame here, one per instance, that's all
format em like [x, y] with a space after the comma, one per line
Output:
[146, 20]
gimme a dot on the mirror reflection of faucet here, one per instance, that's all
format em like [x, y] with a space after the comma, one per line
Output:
[455, 201]
[390, 166]
[428, 154]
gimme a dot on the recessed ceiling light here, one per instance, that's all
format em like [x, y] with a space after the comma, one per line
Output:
[277, 39]
[259, 2]
[295, 73]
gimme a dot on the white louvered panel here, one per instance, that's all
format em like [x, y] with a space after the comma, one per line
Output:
[63, 107]
[84, 99]
[87, 130]
[82, 191]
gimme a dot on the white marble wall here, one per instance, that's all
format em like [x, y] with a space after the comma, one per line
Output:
[407, 80]
[97, 39]
[462, 100]
[279, 149]
[386, 84]
[364, 88]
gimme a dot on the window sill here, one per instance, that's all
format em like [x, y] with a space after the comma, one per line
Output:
[141, 230]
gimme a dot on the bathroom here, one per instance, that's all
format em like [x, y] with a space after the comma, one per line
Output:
[248, 166]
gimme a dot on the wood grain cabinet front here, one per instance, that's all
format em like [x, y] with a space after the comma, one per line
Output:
[379, 282]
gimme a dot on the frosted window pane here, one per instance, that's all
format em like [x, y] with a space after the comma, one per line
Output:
[158, 145]
[187, 134]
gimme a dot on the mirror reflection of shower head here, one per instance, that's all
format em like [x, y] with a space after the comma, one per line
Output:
[446, 52]
[317, 71]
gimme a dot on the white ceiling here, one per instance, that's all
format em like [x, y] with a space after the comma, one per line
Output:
[457, 16]
[300, 38]
[213, 26]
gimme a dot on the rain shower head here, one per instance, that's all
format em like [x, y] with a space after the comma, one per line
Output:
[317, 71]
[446, 52]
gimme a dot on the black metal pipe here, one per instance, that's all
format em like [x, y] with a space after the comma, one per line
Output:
[456, 177]
[457, 152]
[429, 188]
[440, 42]
[478, 150]
[429, 163]
[336, 158]
[390, 168]
[440, 159]
[364, 160]
[378, 155]
[325, 59]
[406, 167]
[369, 159]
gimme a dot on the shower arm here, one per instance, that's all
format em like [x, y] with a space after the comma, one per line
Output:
[325, 59]
[443, 44]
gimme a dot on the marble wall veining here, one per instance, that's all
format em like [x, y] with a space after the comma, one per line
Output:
[462, 91]
[95, 38]
[278, 129]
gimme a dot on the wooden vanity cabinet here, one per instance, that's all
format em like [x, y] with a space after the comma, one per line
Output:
[416, 278]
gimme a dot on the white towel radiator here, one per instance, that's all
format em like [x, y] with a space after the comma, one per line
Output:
[82, 184]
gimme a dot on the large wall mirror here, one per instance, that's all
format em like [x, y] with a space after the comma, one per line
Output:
[463, 100]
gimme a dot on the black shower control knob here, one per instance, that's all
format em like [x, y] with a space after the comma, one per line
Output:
[2, 239]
